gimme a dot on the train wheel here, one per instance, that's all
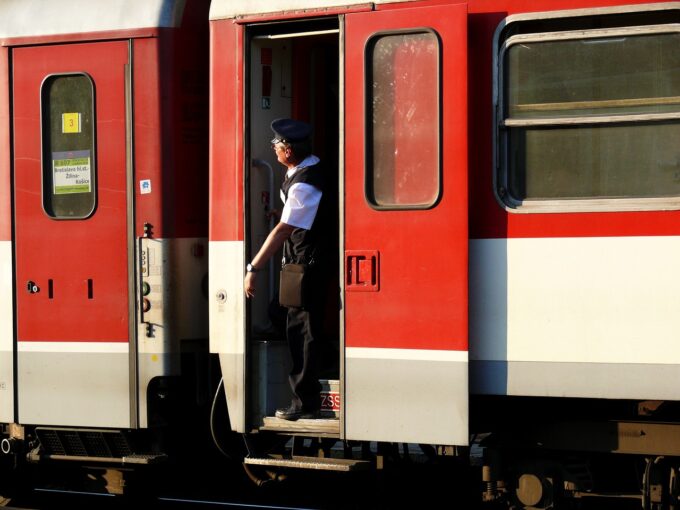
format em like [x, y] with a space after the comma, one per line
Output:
[536, 490]
[660, 485]
[533, 491]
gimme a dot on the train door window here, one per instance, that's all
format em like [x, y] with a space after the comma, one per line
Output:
[402, 89]
[68, 146]
[589, 119]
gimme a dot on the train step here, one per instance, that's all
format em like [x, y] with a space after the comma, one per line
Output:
[316, 463]
[329, 427]
[145, 459]
[89, 445]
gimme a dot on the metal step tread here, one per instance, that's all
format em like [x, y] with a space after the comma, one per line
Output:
[316, 463]
[322, 426]
[36, 456]
[145, 458]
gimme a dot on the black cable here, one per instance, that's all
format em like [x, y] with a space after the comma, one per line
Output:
[212, 420]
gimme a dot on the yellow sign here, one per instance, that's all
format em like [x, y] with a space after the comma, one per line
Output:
[70, 123]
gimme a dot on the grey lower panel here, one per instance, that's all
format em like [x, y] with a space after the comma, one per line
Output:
[577, 380]
[232, 366]
[74, 389]
[6, 386]
[406, 401]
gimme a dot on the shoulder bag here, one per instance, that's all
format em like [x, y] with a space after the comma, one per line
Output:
[292, 285]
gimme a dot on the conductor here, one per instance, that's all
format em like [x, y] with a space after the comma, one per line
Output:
[302, 230]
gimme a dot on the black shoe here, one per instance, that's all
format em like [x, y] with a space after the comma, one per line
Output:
[292, 414]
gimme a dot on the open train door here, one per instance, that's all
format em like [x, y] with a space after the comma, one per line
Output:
[71, 214]
[406, 225]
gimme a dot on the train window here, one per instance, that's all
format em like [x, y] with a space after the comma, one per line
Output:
[402, 91]
[590, 119]
[68, 146]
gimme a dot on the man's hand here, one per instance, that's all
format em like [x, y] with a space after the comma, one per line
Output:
[274, 241]
[249, 285]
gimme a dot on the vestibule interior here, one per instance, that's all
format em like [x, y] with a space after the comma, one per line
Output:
[293, 73]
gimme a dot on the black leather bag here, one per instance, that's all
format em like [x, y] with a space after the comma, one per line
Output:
[292, 285]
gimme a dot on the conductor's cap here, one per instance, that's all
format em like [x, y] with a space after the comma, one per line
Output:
[290, 131]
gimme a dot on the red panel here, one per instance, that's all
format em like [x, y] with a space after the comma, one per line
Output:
[184, 101]
[171, 132]
[226, 129]
[5, 161]
[71, 252]
[418, 250]
[148, 137]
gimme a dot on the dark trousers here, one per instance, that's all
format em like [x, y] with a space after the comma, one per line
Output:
[305, 337]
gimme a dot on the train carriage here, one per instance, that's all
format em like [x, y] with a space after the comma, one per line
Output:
[104, 222]
[504, 179]
[506, 225]
[393, 342]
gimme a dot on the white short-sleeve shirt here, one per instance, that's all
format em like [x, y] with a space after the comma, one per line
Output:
[303, 199]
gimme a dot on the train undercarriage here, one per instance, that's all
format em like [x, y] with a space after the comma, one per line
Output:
[530, 464]
[559, 455]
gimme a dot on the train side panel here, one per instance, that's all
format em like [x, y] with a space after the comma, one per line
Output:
[574, 298]
[576, 317]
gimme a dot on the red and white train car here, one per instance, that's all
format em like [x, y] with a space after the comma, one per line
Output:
[506, 178]
[507, 225]
[402, 337]
[104, 221]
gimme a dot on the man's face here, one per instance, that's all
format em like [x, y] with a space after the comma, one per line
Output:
[282, 153]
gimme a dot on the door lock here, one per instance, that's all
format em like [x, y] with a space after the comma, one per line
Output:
[32, 287]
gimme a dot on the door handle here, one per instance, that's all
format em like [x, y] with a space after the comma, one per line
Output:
[362, 270]
[31, 287]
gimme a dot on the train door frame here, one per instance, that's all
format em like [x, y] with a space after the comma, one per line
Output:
[7, 326]
[271, 67]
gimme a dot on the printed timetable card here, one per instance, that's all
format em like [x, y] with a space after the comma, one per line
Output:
[71, 172]
[71, 122]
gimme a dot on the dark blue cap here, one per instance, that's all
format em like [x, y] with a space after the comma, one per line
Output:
[289, 130]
